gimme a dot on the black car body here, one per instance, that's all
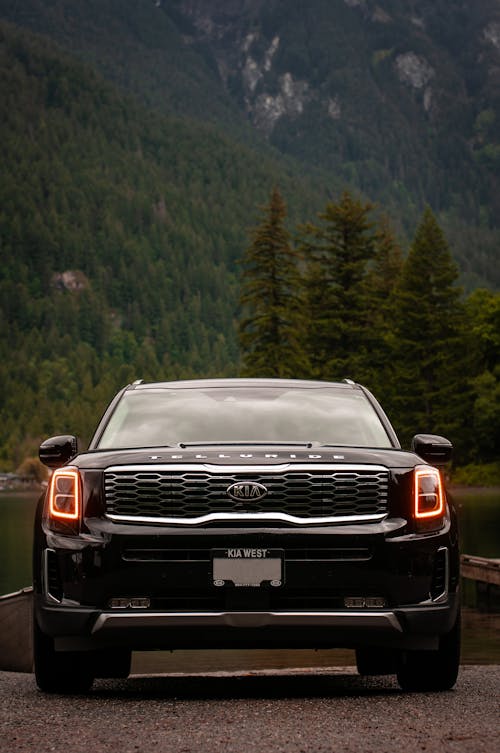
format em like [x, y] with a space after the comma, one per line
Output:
[245, 513]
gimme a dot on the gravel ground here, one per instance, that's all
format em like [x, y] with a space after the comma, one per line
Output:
[275, 710]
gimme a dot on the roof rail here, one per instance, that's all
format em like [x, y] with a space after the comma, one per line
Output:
[137, 381]
[348, 381]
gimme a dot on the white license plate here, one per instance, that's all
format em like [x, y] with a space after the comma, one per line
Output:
[243, 566]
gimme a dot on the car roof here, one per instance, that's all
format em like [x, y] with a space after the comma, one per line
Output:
[242, 382]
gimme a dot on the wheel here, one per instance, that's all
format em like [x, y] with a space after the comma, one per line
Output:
[371, 660]
[432, 670]
[60, 671]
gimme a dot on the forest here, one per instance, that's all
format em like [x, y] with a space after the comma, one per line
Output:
[122, 243]
[120, 231]
[398, 101]
[336, 298]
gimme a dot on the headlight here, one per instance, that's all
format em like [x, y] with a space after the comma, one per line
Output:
[64, 494]
[428, 494]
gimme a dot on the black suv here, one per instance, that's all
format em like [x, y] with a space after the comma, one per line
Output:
[245, 513]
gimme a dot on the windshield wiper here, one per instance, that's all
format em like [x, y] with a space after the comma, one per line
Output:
[251, 443]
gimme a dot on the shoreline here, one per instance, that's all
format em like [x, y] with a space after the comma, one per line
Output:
[463, 489]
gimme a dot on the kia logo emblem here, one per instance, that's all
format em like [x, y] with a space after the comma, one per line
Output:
[246, 490]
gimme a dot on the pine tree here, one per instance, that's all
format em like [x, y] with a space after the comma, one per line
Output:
[380, 284]
[337, 253]
[270, 332]
[483, 317]
[387, 265]
[430, 366]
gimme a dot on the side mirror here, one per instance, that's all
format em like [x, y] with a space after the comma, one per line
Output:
[433, 449]
[56, 451]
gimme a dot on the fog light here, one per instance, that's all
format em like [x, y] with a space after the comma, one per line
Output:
[376, 603]
[361, 602]
[354, 602]
[139, 603]
[118, 603]
[142, 603]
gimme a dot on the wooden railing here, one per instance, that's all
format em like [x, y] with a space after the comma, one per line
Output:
[483, 569]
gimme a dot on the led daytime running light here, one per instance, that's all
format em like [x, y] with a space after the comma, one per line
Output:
[422, 494]
[64, 495]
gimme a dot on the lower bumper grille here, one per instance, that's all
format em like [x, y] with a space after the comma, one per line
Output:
[354, 554]
[53, 585]
[439, 585]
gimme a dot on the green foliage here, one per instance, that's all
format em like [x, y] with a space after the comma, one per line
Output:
[484, 122]
[380, 55]
[483, 344]
[430, 363]
[32, 469]
[483, 313]
[272, 330]
[138, 46]
[146, 214]
[489, 155]
[473, 474]
[400, 143]
[119, 235]
[381, 282]
[396, 325]
[338, 252]
[486, 413]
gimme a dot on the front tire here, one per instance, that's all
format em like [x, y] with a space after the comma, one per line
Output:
[59, 671]
[432, 670]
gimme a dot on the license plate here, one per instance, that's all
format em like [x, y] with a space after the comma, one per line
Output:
[242, 566]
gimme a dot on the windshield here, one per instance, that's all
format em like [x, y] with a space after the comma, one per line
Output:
[169, 417]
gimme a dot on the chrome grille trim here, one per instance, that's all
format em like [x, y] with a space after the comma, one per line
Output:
[381, 619]
[444, 578]
[248, 518]
[134, 493]
[47, 576]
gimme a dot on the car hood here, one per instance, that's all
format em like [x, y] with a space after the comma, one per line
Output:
[245, 455]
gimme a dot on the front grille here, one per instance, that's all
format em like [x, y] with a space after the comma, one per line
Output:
[185, 495]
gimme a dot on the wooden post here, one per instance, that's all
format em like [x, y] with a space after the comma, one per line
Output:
[485, 572]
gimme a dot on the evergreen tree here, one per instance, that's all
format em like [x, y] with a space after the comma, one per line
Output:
[337, 253]
[270, 332]
[147, 211]
[380, 284]
[386, 269]
[429, 355]
[483, 316]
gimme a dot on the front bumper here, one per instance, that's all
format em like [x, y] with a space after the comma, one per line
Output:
[80, 576]
[77, 628]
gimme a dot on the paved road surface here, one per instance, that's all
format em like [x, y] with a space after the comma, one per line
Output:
[297, 711]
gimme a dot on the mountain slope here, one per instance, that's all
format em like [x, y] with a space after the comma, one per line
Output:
[119, 233]
[399, 100]
[135, 45]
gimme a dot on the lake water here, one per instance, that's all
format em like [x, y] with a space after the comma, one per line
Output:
[479, 512]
